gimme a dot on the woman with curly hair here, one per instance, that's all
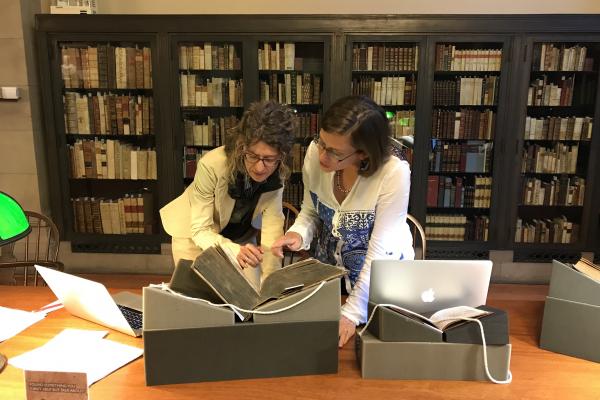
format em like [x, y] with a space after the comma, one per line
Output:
[355, 201]
[237, 190]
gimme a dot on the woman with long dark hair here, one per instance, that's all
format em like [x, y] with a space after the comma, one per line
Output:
[355, 201]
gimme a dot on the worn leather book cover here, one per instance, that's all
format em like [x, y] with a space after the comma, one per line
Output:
[224, 278]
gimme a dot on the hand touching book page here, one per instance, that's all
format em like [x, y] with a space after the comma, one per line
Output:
[227, 282]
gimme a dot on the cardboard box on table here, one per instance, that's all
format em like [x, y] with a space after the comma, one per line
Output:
[429, 360]
[388, 325]
[187, 340]
[398, 347]
[571, 323]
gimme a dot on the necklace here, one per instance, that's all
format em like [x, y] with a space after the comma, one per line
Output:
[338, 182]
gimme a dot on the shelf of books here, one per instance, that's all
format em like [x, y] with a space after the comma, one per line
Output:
[109, 137]
[555, 153]
[292, 73]
[387, 72]
[466, 86]
[211, 96]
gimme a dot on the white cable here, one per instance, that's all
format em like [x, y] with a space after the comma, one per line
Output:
[485, 358]
[165, 287]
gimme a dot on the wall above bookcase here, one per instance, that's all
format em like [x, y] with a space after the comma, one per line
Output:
[456, 85]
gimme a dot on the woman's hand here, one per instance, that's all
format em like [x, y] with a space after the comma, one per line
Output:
[291, 240]
[249, 255]
[346, 331]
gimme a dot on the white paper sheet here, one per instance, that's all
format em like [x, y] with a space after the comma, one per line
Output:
[75, 350]
[13, 321]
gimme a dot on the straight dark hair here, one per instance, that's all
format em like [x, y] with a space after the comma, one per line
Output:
[266, 121]
[366, 123]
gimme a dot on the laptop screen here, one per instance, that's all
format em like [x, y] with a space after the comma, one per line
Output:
[426, 286]
[86, 299]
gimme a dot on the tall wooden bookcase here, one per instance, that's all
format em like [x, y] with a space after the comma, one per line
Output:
[292, 71]
[391, 70]
[555, 211]
[468, 87]
[253, 77]
[209, 94]
[103, 140]
[469, 186]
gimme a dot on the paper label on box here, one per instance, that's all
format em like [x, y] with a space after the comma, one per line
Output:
[47, 385]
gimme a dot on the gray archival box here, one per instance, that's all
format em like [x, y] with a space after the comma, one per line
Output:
[410, 284]
[422, 360]
[191, 341]
[571, 323]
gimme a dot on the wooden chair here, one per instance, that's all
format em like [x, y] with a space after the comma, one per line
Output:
[39, 247]
[290, 213]
[399, 148]
[416, 228]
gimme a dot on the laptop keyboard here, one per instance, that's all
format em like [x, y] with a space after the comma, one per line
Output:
[133, 317]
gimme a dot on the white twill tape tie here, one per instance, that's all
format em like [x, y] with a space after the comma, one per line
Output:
[165, 287]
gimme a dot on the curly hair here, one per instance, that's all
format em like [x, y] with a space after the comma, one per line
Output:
[264, 121]
[366, 123]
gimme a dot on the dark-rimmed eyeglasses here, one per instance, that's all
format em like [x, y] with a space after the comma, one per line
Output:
[330, 153]
[268, 162]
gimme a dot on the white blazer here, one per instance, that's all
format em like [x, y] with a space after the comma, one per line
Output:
[205, 207]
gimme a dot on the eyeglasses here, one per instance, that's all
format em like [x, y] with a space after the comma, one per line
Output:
[268, 162]
[332, 154]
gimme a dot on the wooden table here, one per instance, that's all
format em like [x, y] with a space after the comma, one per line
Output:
[537, 374]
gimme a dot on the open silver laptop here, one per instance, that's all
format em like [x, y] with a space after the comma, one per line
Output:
[90, 300]
[426, 286]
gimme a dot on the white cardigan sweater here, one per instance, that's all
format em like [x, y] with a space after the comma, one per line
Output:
[369, 224]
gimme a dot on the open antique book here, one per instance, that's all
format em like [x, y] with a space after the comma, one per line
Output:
[445, 318]
[588, 268]
[224, 279]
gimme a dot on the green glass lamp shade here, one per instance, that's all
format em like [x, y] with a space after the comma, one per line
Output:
[13, 222]
[13, 226]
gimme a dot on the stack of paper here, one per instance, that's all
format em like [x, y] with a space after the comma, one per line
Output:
[14, 321]
[75, 350]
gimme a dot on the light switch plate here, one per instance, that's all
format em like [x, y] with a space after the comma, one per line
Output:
[10, 93]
